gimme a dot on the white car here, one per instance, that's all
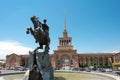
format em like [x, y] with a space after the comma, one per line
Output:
[108, 70]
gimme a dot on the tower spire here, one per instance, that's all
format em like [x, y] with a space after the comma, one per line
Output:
[65, 22]
[65, 31]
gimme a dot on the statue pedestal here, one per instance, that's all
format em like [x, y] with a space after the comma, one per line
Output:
[43, 64]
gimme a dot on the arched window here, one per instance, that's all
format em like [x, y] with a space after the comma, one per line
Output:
[65, 60]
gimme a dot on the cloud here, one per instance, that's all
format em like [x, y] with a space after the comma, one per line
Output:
[9, 47]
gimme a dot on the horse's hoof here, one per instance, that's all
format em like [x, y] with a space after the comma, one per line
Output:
[36, 41]
[27, 32]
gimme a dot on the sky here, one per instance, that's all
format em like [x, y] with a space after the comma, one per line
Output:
[94, 25]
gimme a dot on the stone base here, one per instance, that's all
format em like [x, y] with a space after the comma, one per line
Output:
[43, 64]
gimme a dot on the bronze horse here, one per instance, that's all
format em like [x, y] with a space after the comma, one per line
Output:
[38, 33]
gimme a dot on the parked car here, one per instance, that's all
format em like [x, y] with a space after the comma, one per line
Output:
[101, 69]
[0, 71]
[117, 72]
[75, 69]
[82, 69]
[94, 69]
[20, 68]
[108, 70]
[88, 70]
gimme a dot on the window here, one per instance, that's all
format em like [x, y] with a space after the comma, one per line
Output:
[71, 62]
[58, 62]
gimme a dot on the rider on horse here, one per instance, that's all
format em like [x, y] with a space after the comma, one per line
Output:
[40, 32]
[45, 28]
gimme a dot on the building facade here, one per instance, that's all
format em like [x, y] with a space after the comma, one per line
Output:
[14, 60]
[116, 63]
[98, 60]
[66, 57]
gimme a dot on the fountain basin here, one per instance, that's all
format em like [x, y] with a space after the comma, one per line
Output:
[62, 76]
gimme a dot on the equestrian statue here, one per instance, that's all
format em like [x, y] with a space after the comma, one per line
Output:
[39, 63]
[40, 33]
